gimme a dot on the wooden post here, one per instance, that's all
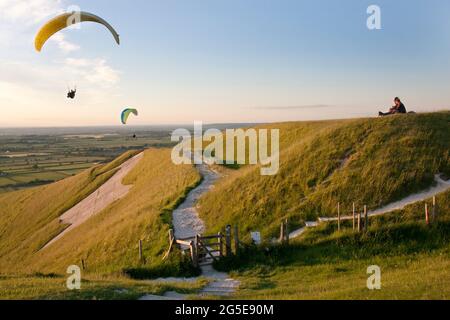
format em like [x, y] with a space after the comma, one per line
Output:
[359, 221]
[220, 236]
[140, 251]
[282, 230]
[427, 215]
[194, 253]
[236, 239]
[366, 218]
[197, 247]
[228, 240]
[354, 217]
[339, 216]
[171, 236]
[83, 266]
[434, 209]
[286, 231]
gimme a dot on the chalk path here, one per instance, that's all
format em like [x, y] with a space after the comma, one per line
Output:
[186, 221]
[441, 186]
[110, 191]
[187, 224]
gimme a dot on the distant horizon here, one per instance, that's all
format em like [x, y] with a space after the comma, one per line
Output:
[188, 125]
[125, 127]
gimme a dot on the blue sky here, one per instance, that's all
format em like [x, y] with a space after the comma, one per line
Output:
[224, 61]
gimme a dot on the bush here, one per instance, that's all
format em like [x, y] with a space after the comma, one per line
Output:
[178, 265]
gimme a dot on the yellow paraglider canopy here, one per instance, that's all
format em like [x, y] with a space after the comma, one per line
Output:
[66, 20]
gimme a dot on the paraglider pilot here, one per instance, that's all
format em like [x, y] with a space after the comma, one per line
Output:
[71, 94]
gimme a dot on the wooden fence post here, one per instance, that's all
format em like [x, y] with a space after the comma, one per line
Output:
[236, 239]
[434, 209]
[366, 218]
[197, 246]
[339, 216]
[282, 230]
[171, 244]
[194, 253]
[427, 215]
[228, 240]
[359, 221]
[140, 251]
[286, 231]
[197, 250]
[171, 236]
[354, 217]
[220, 236]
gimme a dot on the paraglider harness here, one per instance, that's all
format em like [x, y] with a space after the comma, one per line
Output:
[71, 94]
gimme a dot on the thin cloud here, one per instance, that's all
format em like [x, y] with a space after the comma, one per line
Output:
[28, 12]
[19, 17]
[63, 44]
[94, 71]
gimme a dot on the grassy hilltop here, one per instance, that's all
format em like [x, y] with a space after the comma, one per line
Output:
[371, 162]
[368, 161]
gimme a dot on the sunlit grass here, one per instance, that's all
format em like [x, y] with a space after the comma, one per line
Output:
[326, 264]
[42, 287]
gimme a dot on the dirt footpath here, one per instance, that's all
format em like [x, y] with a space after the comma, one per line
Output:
[186, 221]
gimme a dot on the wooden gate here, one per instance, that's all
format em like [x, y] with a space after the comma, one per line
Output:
[209, 249]
[205, 250]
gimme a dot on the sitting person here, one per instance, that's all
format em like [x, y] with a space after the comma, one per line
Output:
[398, 108]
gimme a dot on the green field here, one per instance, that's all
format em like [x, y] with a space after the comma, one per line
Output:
[33, 159]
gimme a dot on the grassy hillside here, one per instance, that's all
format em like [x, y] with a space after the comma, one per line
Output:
[367, 161]
[29, 218]
[107, 242]
[326, 264]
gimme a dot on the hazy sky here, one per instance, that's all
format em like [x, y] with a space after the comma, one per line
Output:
[223, 61]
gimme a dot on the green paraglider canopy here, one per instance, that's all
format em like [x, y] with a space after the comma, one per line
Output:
[126, 113]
